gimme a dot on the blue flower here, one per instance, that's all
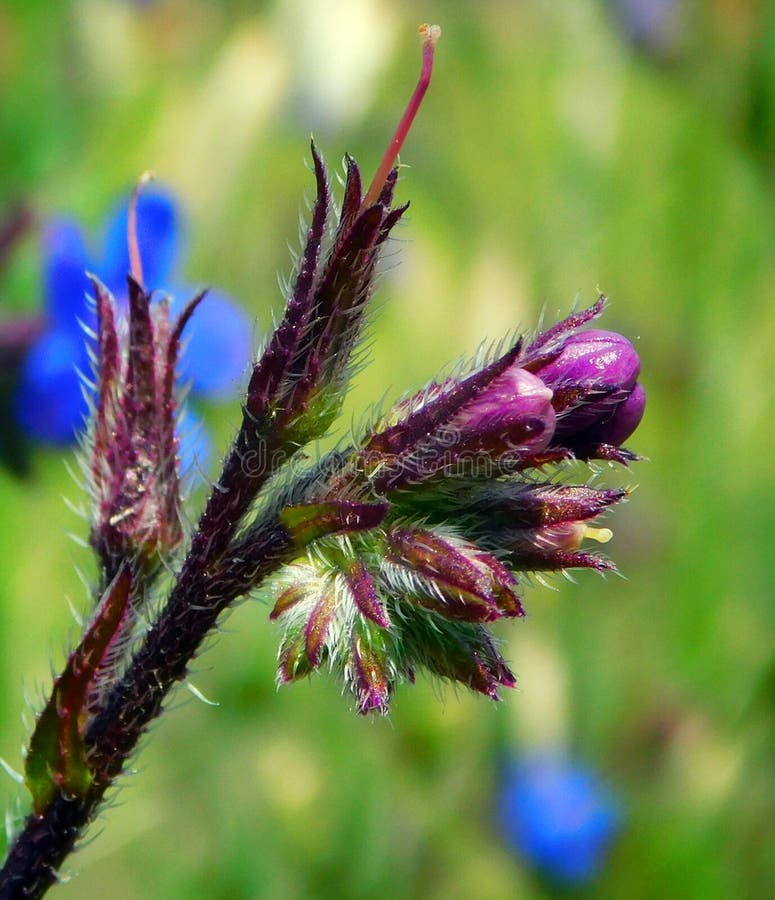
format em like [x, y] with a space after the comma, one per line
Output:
[195, 451]
[50, 405]
[558, 815]
[652, 25]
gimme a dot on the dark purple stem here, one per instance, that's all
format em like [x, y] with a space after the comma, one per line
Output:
[205, 587]
[39, 849]
[197, 600]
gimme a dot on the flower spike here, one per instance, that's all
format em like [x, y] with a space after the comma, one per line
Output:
[381, 558]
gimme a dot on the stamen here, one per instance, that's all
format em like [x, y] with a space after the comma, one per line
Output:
[601, 535]
[135, 263]
[430, 35]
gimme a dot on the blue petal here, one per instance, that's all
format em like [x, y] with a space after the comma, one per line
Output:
[64, 273]
[649, 21]
[196, 448]
[49, 404]
[559, 816]
[217, 345]
[158, 237]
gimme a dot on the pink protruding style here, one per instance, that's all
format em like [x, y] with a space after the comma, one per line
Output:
[430, 35]
[135, 262]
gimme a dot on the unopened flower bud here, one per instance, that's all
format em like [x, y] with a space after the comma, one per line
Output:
[591, 375]
[623, 421]
[134, 467]
[369, 669]
[565, 536]
[469, 657]
[496, 415]
[514, 409]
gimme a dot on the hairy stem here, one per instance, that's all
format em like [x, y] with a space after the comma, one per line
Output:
[40, 848]
[195, 603]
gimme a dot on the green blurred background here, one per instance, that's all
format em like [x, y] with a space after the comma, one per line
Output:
[555, 155]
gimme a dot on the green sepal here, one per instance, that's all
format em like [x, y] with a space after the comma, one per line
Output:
[293, 662]
[309, 522]
[317, 417]
[57, 761]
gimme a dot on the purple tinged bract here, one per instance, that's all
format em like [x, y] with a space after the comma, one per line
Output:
[494, 416]
[134, 445]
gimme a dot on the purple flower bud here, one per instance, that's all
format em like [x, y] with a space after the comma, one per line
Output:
[591, 374]
[368, 671]
[497, 415]
[623, 421]
[557, 546]
[595, 357]
[515, 408]
[318, 624]
[560, 536]
[299, 380]
[364, 593]
[517, 505]
[292, 663]
[602, 360]
[471, 659]
[486, 675]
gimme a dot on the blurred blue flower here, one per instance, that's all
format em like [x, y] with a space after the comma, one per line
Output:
[558, 815]
[195, 451]
[49, 405]
[652, 25]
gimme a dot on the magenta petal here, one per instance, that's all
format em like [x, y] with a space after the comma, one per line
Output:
[625, 419]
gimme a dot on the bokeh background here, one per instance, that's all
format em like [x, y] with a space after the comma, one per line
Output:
[564, 147]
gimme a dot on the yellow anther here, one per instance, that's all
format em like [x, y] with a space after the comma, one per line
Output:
[430, 34]
[601, 535]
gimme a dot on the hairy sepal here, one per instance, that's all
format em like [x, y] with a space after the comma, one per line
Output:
[57, 760]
